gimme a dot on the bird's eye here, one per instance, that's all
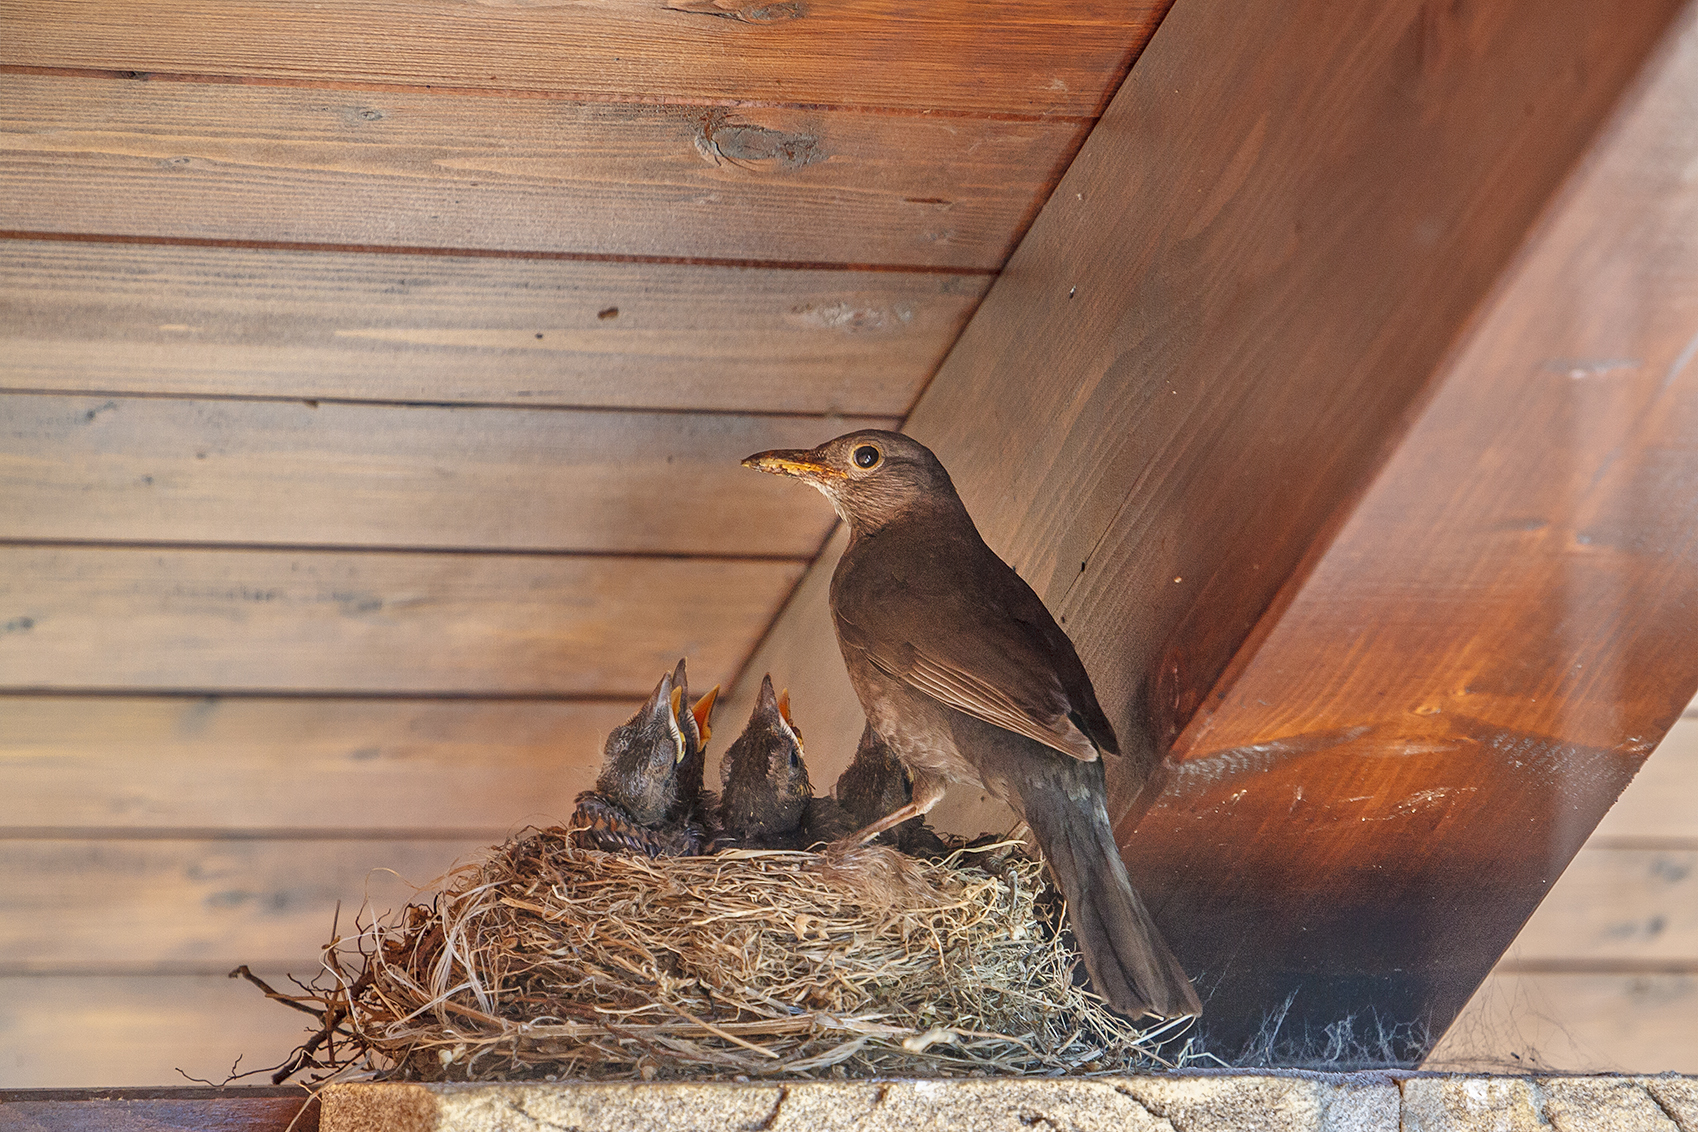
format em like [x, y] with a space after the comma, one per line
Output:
[795, 759]
[866, 456]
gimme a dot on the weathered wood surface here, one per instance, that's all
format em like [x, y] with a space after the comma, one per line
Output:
[114, 317]
[1192, 364]
[163, 906]
[65, 1031]
[1382, 790]
[159, 1110]
[1031, 57]
[107, 765]
[229, 620]
[220, 162]
[335, 474]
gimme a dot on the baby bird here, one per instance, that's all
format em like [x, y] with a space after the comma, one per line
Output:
[766, 801]
[694, 805]
[876, 783]
[638, 785]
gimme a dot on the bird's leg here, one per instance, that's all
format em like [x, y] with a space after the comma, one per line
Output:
[928, 792]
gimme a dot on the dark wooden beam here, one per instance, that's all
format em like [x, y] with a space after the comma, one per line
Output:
[1209, 342]
[1411, 748]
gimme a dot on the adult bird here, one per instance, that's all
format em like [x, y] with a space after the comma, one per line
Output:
[964, 674]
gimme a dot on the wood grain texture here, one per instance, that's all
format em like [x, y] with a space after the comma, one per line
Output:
[230, 321]
[203, 906]
[221, 162]
[1305, 211]
[80, 1031]
[1578, 1023]
[1375, 799]
[161, 1110]
[157, 763]
[1191, 367]
[229, 620]
[331, 474]
[1023, 57]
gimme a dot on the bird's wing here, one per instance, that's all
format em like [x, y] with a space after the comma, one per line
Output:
[1004, 672]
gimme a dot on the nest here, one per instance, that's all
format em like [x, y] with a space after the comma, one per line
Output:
[549, 961]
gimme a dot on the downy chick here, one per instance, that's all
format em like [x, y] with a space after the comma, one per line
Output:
[638, 785]
[694, 806]
[766, 800]
[876, 783]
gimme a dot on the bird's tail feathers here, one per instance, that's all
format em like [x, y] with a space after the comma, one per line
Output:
[1128, 960]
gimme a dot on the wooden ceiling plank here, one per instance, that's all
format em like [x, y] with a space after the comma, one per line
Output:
[1190, 369]
[114, 1030]
[259, 163]
[1391, 779]
[106, 765]
[271, 323]
[298, 474]
[415, 624]
[200, 904]
[1034, 57]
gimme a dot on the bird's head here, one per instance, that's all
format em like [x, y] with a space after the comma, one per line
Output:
[871, 476]
[639, 769]
[693, 724]
[764, 780]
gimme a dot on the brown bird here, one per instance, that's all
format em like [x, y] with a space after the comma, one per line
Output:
[638, 785]
[874, 784]
[766, 801]
[967, 677]
[693, 804]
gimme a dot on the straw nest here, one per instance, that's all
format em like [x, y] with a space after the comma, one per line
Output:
[548, 961]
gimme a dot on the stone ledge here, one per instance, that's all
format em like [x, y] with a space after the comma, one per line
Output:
[1225, 1101]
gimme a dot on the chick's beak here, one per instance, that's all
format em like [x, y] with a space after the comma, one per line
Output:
[791, 462]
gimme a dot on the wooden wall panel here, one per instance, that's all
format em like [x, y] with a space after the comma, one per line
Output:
[334, 474]
[66, 1031]
[150, 906]
[228, 620]
[1022, 57]
[142, 318]
[109, 764]
[220, 162]
[1618, 908]
[1660, 807]
[1577, 1023]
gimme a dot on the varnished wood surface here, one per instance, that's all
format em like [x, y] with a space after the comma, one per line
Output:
[228, 620]
[1207, 342]
[1392, 777]
[241, 1109]
[335, 474]
[1030, 57]
[91, 906]
[431, 169]
[114, 317]
[1312, 208]
[114, 764]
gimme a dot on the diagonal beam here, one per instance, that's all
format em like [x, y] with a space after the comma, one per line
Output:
[1409, 752]
[1212, 337]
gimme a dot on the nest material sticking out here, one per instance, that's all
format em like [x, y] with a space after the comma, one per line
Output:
[547, 960]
